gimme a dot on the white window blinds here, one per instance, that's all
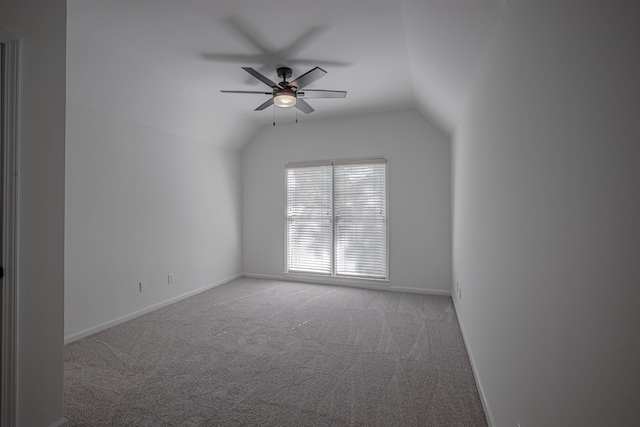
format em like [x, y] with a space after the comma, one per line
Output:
[337, 219]
[309, 223]
[360, 212]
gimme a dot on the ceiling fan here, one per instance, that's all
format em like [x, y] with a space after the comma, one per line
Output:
[291, 94]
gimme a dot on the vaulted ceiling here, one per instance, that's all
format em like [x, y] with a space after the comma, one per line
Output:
[388, 54]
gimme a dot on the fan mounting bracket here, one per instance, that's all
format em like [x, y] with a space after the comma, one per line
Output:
[284, 72]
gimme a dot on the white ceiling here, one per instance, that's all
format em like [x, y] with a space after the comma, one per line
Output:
[389, 55]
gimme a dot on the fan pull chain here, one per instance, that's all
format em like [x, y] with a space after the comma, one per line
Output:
[296, 115]
[274, 115]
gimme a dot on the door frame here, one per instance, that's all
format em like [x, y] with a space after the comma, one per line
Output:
[9, 144]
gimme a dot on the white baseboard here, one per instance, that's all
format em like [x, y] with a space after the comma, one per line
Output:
[349, 284]
[485, 405]
[62, 422]
[94, 329]
[262, 276]
[419, 291]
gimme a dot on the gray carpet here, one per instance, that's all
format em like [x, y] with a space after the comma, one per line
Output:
[268, 353]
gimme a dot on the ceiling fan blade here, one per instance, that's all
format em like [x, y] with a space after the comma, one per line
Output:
[246, 91]
[301, 42]
[318, 93]
[302, 105]
[311, 62]
[237, 58]
[248, 34]
[308, 78]
[267, 103]
[262, 78]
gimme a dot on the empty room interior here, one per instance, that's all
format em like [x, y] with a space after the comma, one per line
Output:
[507, 136]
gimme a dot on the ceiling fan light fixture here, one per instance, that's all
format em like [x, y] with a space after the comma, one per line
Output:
[285, 98]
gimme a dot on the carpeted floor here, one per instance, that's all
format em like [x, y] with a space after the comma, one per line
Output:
[268, 353]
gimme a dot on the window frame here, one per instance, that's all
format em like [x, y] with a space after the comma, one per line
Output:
[333, 277]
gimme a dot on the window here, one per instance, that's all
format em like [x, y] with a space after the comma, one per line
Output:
[337, 219]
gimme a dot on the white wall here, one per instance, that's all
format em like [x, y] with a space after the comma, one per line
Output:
[141, 204]
[41, 27]
[419, 190]
[546, 210]
[152, 188]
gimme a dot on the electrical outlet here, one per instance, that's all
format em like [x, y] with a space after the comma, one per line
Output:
[143, 286]
[170, 279]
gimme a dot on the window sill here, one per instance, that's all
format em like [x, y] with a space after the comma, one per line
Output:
[337, 280]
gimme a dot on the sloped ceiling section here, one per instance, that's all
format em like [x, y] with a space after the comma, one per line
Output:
[164, 62]
[446, 41]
